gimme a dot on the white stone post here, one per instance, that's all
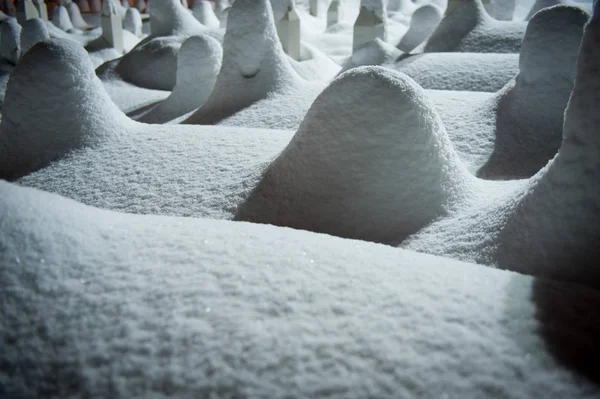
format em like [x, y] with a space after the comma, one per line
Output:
[314, 8]
[288, 29]
[334, 13]
[112, 28]
[370, 24]
[41, 8]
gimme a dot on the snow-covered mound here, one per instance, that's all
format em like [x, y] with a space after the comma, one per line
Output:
[76, 18]
[422, 23]
[203, 12]
[170, 18]
[44, 119]
[370, 145]
[375, 52]
[469, 28]
[141, 306]
[198, 64]
[133, 21]
[34, 30]
[10, 39]
[460, 71]
[254, 64]
[60, 19]
[548, 225]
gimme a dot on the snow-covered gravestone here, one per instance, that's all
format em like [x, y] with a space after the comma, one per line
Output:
[314, 8]
[423, 22]
[334, 13]
[288, 29]
[61, 19]
[112, 29]
[26, 11]
[203, 11]
[133, 21]
[371, 23]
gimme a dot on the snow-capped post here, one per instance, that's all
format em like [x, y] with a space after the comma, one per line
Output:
[314, 8]
[223, 17]
[112, 28]
[26, 10]
[334, 13]
[371, 23]
[288, 29]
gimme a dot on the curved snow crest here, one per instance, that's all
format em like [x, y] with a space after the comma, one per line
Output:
[43, 119]
[170, 18]
[530, 109]
[198, 64]
[468, 28]
[375, 52]
[422, 23]
[254, 63]
[34, 30]
[60, 18]
[10, 39]
[377, 173]
[562, 207]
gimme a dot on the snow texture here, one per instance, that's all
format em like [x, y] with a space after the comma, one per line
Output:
[133, 21]
[422, 24]
[76, 18]
[198, 64]
[470, 29]
[38, 124]
[393, 156]
[254, 64]
[34, 30]
[170, 18]
[10, 39]
[60, 19]
[203, 12]
[376, 52]
[104, 304]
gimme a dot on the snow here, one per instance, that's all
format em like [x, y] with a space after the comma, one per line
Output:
[10, 39]
[198, 64]
[423, 22]
[34, 30]
[470, 29]
[170, 18]
[133, 21]
[76, 18]
[203, 12]
[145, 306]
[375, 52]
[60, 18]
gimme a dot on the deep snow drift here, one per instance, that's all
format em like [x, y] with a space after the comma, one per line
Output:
[39, 122]
[469, 28]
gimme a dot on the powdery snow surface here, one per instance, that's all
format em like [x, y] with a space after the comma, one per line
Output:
[161, 301]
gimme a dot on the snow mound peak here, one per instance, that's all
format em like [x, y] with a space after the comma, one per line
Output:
[10, 33]
[34, 30]
[422, 23]
[254, 63]
[198, 64]
[43, 119]
[75, 16]
[133, 21]
[371, 161]
[60, 18]
[203, 12]
[170, 18]
[552, 31]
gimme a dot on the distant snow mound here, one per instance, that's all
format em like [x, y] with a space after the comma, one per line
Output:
[84, 5]
[254, 63]
[203, 12]
[198, 64]
[76, 18]
[370, 161]
[34, 30]
[422, 23]
[469, 28]
[60, 18]
[43, 119]
[375, 52]
[133, 21]
[170, 18]
[530, 109]
[10, 39]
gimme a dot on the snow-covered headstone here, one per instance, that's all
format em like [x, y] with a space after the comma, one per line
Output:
[26, 11]
[112, 29]
[133, 21]
[10, 40]
[76, 18]
[60, 18]
[204, 12]
[33, 31]
[423, 22]
[334, 13]
[370, 24]
[315, 8]
[288, 29]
